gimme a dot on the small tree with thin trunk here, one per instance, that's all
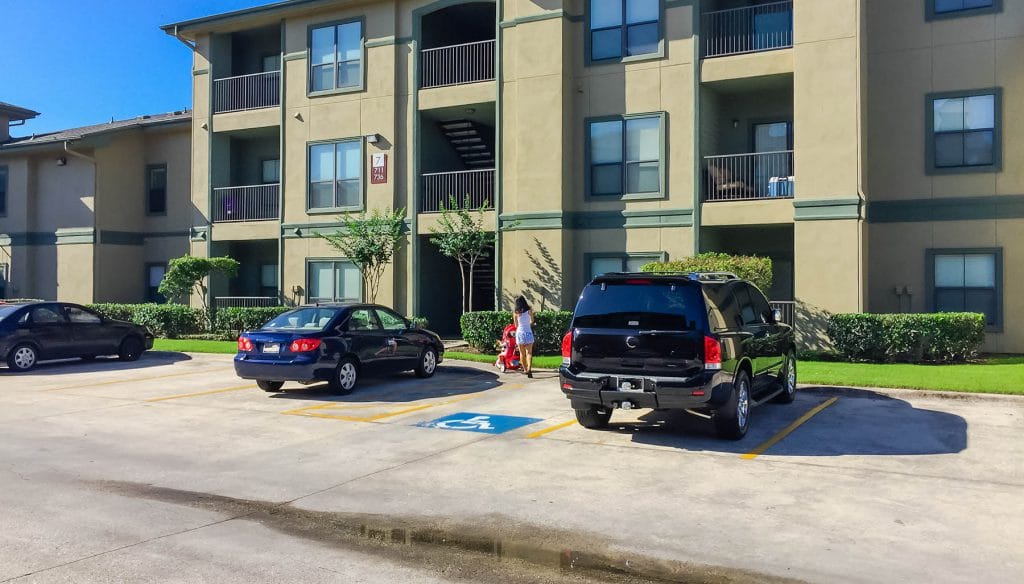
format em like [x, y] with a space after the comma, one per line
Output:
[187, 275]
[369, 242]
[461, 235]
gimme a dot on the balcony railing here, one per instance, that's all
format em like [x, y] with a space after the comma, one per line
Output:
[786, 308]
[457, 64]
[441, 187]
[247, 92]
[736, 177]
[250, 203]
[763, 27]
[245, 301]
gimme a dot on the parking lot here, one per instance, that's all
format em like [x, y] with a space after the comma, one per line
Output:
[173, 469]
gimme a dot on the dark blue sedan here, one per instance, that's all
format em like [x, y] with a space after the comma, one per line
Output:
[336, 343]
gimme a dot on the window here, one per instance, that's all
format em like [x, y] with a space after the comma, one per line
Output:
[964, 131]
[335, 175]
[967, 281]
[937, 9]
[390, 321]
[334, 281]
[156, 189]
[4, 278]
[154, 275]
[271, 63]
[362, 319]
[270, 171]
[624, 28]
[336, 57]
[79, 315]
[625, 157]
[47, 315]
[268, 280]
[606, 264]
[3, 190]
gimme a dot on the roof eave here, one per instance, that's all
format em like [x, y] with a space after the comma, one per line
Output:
[190, 28]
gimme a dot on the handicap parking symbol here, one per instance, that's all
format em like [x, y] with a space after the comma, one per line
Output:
[473, 422]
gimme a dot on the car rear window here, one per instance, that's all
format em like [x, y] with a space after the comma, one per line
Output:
[303, 319]
[645, 305]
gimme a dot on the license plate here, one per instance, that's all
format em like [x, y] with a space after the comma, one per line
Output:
[272, 348]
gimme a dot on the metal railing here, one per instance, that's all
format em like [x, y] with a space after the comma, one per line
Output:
[762, 175]
[786, 307]
[441, 187]
[457, 64]
[245, 301]
[762, 27]
[247, 92]
[249, 203]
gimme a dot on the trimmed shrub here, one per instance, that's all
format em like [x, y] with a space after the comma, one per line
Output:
[163, 320]
[885, 338]
[482, 330]
[754, 269]
[245, 318]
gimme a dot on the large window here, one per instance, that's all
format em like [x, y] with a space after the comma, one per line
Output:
[336, 57]
[4, 277]
[333, 281]
[156, 189]
[154, 275]
[624, 28]
[961, 8]
[335, 175]
[967, 281]
[623, 262]
[3, 190]
[625, 156]
[965, 133]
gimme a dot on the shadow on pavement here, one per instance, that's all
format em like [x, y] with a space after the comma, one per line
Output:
[449, 381]
[101, 364]
[861, 422]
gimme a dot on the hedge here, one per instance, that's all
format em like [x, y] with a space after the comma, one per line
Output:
[482, 330]
[754, 269]
[163, 320]
[240, 319]
[885, 338]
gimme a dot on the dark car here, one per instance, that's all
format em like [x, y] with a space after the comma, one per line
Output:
[336, 343]
[39, 331]
[709, 344]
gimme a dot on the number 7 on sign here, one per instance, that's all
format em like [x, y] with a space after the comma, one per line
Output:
[474, 423]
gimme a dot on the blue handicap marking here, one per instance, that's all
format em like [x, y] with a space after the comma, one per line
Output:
[473, 422]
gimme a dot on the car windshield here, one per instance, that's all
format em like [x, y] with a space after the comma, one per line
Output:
[642, 304]
[8, 310]
[306, 319]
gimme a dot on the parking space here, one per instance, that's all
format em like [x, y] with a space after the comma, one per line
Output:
[845, 480]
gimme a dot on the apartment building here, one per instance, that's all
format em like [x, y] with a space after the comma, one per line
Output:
[607, 133]
[93, 214]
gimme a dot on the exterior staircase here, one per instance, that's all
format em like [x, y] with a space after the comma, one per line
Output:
[473, 142]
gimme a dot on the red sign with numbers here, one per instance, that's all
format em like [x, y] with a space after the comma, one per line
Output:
[378, 169]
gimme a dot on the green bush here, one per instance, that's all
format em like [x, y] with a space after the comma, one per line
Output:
[938, 338]
[754, 269]
[482, 330]
[245, 318]
[163, 320]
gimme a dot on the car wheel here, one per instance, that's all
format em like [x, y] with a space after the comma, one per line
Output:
[428, 363]
[22, 358]
[345, 377]
[501, 367]
[131, 349]
[594, 417]
[271, 386]
[787, 380]
[732, 421]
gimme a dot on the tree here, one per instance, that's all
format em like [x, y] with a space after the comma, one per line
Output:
[369, 242]
[187, 275]
[461, 235]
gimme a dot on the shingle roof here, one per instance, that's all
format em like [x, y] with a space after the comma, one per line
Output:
[182, 116]
[16, 113]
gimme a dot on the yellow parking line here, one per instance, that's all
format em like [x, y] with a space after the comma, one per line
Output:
[311, 411]
[787, 430]
[199, 393]
[134, 379]
[540, 433]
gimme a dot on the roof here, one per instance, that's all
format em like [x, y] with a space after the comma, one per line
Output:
[16, 113]
[274, 8]
[176, 117]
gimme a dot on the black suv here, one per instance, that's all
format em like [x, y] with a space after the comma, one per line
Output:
[706, 343]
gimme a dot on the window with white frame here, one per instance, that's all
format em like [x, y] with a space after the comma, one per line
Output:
[336, 57]
[335, 175]
[624, 28]
[625, 156]
[333, 281]
[967, 282]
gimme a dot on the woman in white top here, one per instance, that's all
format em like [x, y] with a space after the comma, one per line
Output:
[524, 334]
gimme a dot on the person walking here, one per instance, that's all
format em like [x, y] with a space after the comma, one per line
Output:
[524, 334]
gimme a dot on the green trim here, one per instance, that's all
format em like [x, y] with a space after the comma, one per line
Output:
[679, 3]
[997, 132]
[296, 56]
[947, 209]
[362, 57]
[929, 278]
[75, 235]
[499, 41]
[698, 170]
[200, 233]
[121, 238]
[530, 221]
[623, 58]
[662, 158]
[381, 42]
[583, 220]
[198, 72]
[930, 13]
[362, 173]
[826, 209]
[546, 15]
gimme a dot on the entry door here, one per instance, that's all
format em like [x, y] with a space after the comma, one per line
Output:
[771, 137]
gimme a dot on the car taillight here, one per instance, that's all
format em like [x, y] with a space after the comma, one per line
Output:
[244, 344]
[712, 353]
[304, 345]
[567, 349]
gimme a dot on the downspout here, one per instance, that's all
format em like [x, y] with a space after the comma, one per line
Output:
[95, 210]
[280, 171]
[414, 183]
[498, 12]
[697, 122]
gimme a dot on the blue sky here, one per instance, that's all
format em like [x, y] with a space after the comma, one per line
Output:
[79, 62]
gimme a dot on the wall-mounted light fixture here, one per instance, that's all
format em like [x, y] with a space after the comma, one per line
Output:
[62, 161]
[204, 126]
[298, 116]
[373, 138]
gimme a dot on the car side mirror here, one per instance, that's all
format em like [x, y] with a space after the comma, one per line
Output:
[776, 315]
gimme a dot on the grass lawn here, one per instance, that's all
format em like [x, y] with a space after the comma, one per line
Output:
[191, 346]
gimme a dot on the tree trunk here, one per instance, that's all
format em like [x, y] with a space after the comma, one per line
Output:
[462, 299]
[472, 266]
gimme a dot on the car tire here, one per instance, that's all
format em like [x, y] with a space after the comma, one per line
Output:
[732, 420]
[427, 365]
[787, 380]
[269, 386]
[22, 358]
[594, 417]
[345, 377]
[131, 349]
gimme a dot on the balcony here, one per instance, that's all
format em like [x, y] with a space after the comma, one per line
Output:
[247, 92]
[746, 177]
[246, 203]
[748, 29]
[441, 187]
[457, 64]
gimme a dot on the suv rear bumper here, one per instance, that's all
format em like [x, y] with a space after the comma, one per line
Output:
[712, 389]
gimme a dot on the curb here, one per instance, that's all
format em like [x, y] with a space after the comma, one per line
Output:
[894, 392]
